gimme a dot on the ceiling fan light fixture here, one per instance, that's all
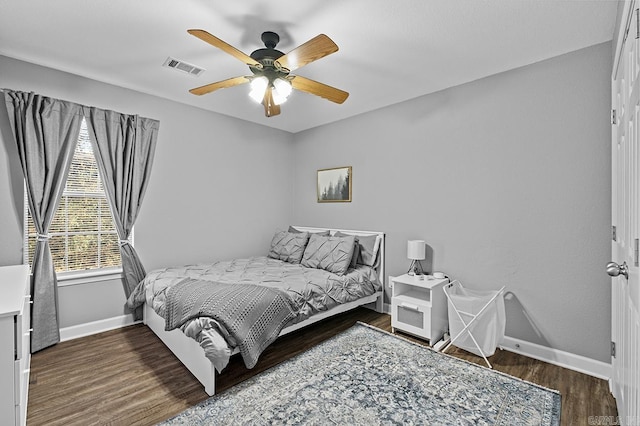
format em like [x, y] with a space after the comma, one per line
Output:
[258, 88]
[277, 98]
[282, 90]
[272, 83]
[283, 87]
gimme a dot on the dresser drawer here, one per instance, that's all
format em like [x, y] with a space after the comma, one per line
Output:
[21, 388]
[18, 336]
[26, 327]
[22, 363]
[23, 334]
[21, 381]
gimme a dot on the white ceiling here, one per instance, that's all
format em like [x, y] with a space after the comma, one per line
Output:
[390, 51]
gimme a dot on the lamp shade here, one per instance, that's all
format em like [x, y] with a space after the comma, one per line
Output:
[416, 249]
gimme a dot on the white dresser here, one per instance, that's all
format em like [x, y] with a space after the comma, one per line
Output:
[15, 354]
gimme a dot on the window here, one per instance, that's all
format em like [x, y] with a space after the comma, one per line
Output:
[82, 234]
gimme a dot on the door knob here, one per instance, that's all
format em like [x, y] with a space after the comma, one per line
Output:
[614, 269]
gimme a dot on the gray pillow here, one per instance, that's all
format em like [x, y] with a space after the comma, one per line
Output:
[296, 231]
[356, 248]
[332, 254]
[368, 249]
[288, 246]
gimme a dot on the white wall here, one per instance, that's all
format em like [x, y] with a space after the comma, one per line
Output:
[507, 179]
[219, 186]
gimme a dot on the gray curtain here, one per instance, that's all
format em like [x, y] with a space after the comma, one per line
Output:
[46, 132]
[124, 146]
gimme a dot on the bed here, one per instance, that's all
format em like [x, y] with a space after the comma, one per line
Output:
[299, 264]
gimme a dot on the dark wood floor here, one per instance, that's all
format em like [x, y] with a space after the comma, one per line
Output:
[128, 376]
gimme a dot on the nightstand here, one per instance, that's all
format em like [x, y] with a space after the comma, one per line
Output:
[419, 306]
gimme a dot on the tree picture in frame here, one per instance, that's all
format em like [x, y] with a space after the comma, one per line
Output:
[334, 185]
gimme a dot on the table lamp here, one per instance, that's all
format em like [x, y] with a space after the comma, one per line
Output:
[416, 252]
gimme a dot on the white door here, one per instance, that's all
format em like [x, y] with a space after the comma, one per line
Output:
[624, 268]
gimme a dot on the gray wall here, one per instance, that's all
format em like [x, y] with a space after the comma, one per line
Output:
[11, 192]
[622, 6]
[219, 186]
[506, 178]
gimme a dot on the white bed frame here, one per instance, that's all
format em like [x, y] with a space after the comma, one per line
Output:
[192, 355]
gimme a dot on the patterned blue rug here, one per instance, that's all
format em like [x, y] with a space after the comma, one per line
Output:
[365, 376]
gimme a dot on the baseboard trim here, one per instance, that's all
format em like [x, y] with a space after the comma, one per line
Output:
[94, 327]
[579, 363]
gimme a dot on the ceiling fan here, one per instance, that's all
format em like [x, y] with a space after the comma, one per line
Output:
[271, 82]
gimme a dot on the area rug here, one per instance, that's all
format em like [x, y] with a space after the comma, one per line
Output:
[366, 376]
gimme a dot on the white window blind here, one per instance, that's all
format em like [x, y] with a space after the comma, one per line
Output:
[82, 234]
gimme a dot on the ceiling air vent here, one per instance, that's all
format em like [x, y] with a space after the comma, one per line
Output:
[183, 66]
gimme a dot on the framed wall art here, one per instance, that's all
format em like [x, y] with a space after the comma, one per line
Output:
[334, 185]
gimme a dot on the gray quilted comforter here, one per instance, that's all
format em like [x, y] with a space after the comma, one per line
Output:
[311, 290]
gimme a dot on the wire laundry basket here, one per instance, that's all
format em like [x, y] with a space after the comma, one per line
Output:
[477, 319]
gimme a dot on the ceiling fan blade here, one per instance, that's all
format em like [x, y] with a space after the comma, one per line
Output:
[220, 44]
[314, 49]
[270, 108]
[319, 89]
[208, 88]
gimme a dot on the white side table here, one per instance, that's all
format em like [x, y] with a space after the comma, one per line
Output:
[419, 306]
